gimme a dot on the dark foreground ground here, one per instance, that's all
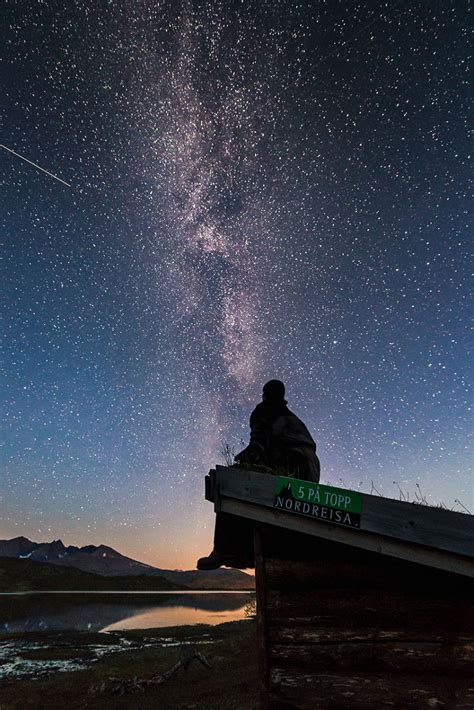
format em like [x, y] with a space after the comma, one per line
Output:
[33, 678]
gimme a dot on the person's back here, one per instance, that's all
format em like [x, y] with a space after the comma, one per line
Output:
[294, 448]
[279, 439]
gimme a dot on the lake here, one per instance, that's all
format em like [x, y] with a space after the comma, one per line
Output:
[112, 611]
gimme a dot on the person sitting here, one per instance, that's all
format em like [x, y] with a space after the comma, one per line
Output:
[279, 441]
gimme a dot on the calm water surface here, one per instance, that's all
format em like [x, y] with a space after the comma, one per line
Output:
[108, 611]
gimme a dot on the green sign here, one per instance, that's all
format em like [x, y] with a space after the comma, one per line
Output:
[336, 505]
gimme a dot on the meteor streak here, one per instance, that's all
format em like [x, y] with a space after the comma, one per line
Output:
[35, 165]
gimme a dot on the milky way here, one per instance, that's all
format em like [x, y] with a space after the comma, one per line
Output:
[257, 190]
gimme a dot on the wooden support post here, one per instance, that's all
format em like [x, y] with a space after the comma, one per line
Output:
[262, 630]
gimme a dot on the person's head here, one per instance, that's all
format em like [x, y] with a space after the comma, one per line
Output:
[273, 391]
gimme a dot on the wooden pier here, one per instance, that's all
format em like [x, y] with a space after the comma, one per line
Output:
[362, 602]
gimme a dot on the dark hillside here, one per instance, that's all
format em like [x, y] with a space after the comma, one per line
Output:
[29, 576]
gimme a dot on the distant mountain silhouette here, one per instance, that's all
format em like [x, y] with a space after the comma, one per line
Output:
[106, 561]
[90, 558]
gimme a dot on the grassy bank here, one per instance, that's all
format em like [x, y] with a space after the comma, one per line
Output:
[230, 683]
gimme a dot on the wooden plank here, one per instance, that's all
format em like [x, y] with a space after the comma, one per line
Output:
[209, 482]
[420, 524]
[377, 656]
[261, 587]
[355, 611]
[307, 636]
[439, 559]
[333, 691]
[342, 570]
[353, 570]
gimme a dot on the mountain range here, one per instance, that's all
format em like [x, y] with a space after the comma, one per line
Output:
[106, 561]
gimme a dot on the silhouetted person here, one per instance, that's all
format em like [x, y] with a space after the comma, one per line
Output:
[280, 441]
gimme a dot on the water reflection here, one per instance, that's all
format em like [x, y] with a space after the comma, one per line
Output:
[94, 612]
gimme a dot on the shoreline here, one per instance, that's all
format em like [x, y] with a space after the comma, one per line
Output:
[57, 670]
[128, 591]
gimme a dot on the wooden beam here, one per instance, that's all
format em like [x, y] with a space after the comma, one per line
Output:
[442, 530]
[438, 559]
[262, 626]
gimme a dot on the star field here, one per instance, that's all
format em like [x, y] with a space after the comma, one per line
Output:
[258, 190]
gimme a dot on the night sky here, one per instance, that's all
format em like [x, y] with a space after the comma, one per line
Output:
[257, 189]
